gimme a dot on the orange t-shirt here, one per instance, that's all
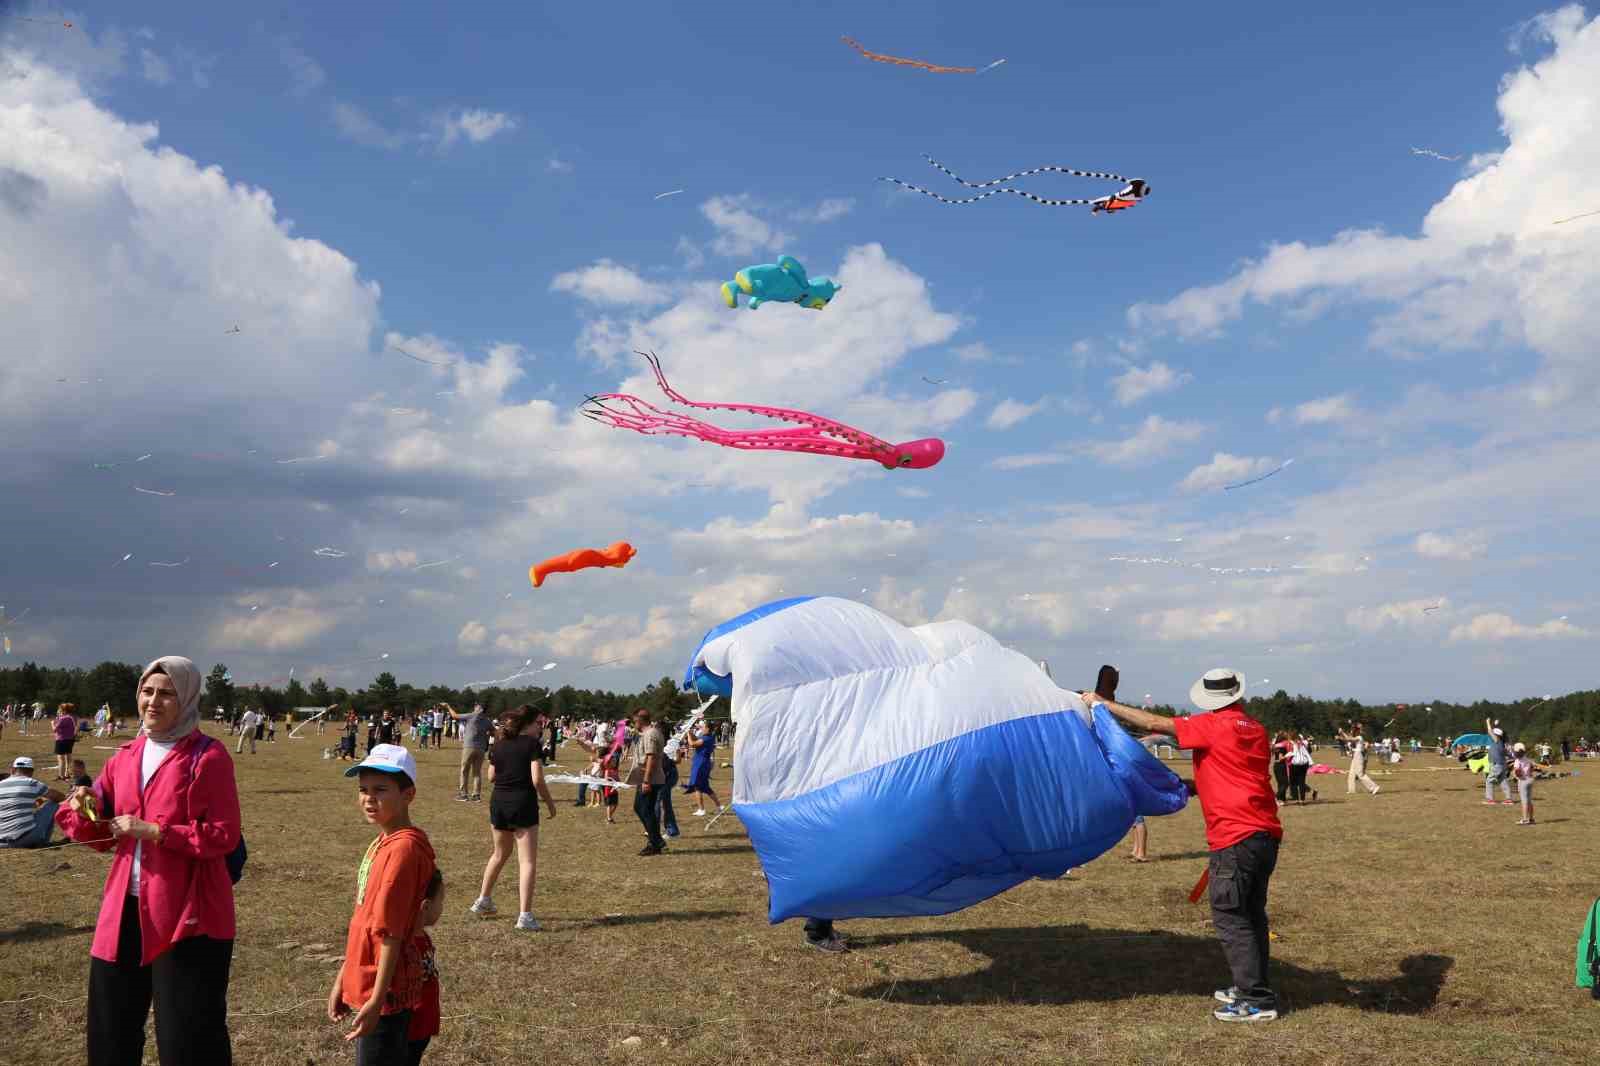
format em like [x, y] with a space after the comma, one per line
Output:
[389, 892]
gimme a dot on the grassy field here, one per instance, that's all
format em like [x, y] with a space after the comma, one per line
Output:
[1414, 927]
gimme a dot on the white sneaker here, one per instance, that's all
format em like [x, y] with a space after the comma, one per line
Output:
[527, 922]
[699, 814]
[482, 906]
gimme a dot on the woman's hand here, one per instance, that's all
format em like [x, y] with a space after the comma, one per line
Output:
[336, 1006]
[365, 1021]
[551, 804]
[128, 825]
[81, 800]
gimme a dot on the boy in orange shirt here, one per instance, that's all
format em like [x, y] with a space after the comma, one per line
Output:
[381, 978]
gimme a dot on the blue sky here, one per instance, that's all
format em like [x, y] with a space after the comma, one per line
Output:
[480, 184]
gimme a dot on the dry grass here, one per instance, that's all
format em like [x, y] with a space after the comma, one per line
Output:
[1414, 927]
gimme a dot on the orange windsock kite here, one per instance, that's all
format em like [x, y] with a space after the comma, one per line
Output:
[617, 554]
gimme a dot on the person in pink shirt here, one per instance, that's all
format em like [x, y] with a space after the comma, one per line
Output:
[65, 728]
[168, 804]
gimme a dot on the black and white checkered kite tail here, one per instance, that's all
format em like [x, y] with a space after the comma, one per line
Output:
[946, 199]
[995, 192]
[1029, 173]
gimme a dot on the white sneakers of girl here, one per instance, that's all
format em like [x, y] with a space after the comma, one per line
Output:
[483, 906]
[527, 922]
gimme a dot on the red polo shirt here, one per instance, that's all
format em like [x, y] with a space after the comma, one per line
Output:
[1231, 760]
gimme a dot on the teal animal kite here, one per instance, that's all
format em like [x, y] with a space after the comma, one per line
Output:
[782, 282]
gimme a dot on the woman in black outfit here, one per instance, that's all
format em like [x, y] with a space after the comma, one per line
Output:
[517, 774]
[1282, 755]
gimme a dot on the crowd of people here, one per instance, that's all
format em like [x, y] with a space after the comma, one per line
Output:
[167, 805]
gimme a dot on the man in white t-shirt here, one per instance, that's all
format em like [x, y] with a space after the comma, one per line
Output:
[247, 730]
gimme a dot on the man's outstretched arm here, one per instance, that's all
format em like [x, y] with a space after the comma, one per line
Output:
[1150, 723]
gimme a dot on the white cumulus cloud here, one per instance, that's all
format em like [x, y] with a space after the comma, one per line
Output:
[608, 283]
[1457, 549]
[474, 125]
[1008, 413]
[740, 231]
[1225, 469]
[1155, 438]
[1495, 627]
[1488, 266]
[1140, 383]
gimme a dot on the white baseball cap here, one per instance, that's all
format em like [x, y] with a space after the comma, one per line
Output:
[388, 759]
[22, 762]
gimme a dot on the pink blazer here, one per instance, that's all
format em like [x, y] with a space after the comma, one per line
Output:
[184, 889]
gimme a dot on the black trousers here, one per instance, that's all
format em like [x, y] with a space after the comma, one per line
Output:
[1280, 774]
[819, 929]
[1239, 876]
[189, 983]
[386, 1045]
[644, 805]
[1297, 781]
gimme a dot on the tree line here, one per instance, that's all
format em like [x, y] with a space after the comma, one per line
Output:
[1533, 719]
[114, 684]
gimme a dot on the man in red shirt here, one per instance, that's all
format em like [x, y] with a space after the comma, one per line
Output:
[1233, 778]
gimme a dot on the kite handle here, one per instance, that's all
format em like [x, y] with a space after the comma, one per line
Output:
[1199, 888]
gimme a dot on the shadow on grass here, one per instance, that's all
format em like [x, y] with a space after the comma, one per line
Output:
[677, 849]
[32, 932]
[656, 916]
[1180, 855]
[1078, 964]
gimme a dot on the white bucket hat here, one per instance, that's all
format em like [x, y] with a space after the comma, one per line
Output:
[1219, 688]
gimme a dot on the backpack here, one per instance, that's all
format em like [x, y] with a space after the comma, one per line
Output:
[236, 858]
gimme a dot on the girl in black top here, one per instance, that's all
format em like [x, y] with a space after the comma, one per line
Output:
[518, 779]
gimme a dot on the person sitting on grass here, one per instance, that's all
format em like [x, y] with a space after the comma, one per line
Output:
[380, 979]
[1232, 777]
[27, 807]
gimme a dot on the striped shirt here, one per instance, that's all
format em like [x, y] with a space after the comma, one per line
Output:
[18, 794]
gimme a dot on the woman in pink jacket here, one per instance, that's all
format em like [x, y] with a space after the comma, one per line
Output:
[169, 806]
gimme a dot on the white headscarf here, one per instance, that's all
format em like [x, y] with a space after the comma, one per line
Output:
[186, 680]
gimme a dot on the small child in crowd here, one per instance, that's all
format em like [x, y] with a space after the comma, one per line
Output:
[425, 1019]
[80, 774]
[594, 771]
[381, 978]
[608, 770]
[1523, 770]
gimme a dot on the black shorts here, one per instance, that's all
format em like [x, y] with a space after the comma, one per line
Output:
[64, 747]
[517, 810]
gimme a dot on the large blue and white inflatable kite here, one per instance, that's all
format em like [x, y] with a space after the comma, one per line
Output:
[887, 772]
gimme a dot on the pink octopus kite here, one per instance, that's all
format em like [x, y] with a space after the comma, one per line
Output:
[815, 434]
